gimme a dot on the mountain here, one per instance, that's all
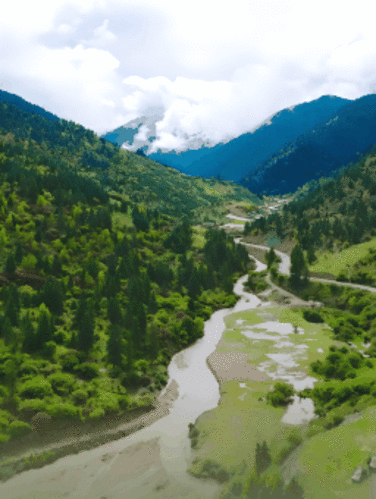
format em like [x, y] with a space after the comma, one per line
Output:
[26, 106]
[236, 158]
[337, 141]
[127, 134]
[94, 168]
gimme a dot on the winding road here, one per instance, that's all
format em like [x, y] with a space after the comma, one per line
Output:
[284, 268]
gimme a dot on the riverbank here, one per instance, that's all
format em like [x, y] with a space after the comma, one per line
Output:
[40, 450]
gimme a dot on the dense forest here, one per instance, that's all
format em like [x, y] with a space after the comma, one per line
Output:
[337, 214]
[103, 277]
[67, 149]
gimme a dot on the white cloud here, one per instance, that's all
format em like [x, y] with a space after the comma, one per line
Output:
[215, 69]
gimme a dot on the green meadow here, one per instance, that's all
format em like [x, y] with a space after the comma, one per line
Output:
[227, 435]
[334, 263]
[329, 459]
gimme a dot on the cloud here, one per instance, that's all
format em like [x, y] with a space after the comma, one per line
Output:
[213, 70]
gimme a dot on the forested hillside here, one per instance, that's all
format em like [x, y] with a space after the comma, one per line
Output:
[335, 142]
[336, 215]
[96, 296]
[67, 147]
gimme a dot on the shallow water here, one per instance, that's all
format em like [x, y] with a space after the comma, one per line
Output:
[166, 442]
[280, 366]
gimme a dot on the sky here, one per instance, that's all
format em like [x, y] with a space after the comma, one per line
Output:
[212, 70]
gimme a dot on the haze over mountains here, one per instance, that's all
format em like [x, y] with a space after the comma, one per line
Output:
[287, 150]
[239, 156]
[290, 148]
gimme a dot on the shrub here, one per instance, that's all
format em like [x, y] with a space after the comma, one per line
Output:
[69, 362]
[62, 410]
[87, 371]
[97, 413]
[61, 337]
[312, 316]
[124, 401]
[4, 438]
[18, 429]
[355, 359]
[333, 420]
[80, 397]
[108, 401]
[29, 262]
[27, 369]
[281, 395]
[27, 294]
[37, 387]
[49, 350]
[62, 383]
[27, 408]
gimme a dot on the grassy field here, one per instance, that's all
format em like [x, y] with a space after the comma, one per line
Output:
[334, 263]
[227, 436]
[330, 458]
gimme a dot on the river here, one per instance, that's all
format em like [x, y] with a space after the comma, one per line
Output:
[151, 463]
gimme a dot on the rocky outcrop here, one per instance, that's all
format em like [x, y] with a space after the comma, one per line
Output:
[372, 464]
[359, 474]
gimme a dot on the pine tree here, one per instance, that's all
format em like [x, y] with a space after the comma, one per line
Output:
[13, 305]
[114, 313]
[80, 312]
[270, 258]
[60, 223]
[193, 285]
[86, 329]
[123, 268]
[11, 369]
[27, 328]
[52, 295]
[311, 257]
[45, 328]
[7, 331]
[129, 353]
[153, 343]
[153, 306]
[115, 345]
[111, 264]
[56, 267]
[38, 234]
[10, 264]
[18, 253]
[298, 269]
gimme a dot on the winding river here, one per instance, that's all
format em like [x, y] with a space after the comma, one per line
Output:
[151, 463]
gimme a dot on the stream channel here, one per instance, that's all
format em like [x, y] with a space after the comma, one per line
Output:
[152, 463]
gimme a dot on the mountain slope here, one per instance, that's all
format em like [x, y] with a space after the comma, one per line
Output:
[335, 142]
[124, 174]
[236, 158]
[21, 103]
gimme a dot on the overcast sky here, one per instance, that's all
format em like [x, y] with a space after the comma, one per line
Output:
[214, 69]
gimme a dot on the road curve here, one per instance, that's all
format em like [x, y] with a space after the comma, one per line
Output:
[284, 268]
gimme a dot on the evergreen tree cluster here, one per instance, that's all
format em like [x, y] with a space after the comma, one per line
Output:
[341, 210]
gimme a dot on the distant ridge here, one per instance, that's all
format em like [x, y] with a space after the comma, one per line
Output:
[335, 142]
[237, 158]
[24, 105]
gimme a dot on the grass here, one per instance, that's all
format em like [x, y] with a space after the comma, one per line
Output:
[234, 221]
[227, 436]
[334, 263]
[330, 458]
